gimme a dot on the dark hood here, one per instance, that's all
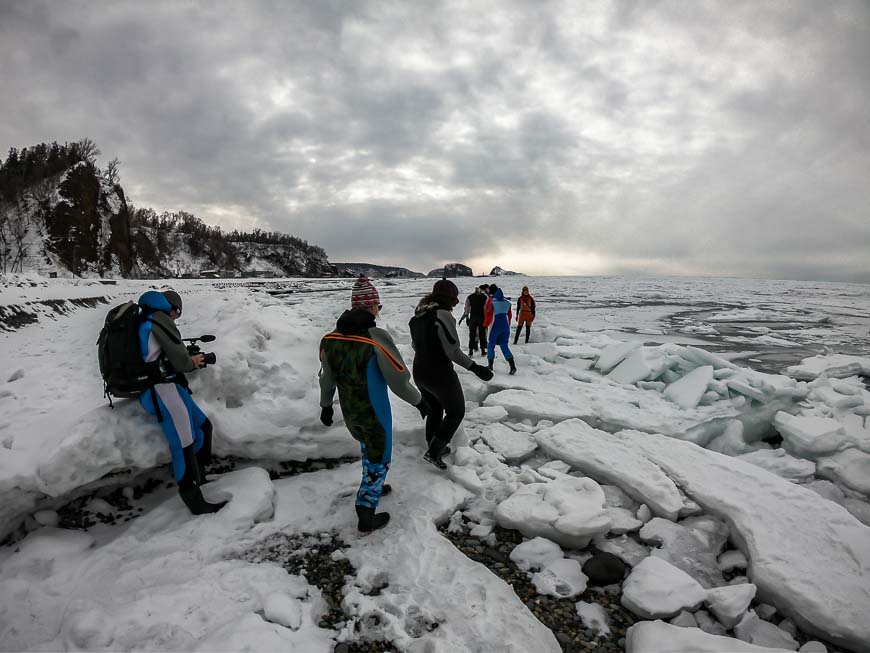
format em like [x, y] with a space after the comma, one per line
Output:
[355, 321]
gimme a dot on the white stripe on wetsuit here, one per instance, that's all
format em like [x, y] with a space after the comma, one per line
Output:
[169, 394]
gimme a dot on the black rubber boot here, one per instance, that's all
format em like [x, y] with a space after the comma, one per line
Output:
[189, 486]
[435, 460]
[203, 456]
[369, 521]
[470, 352]
[513, 366]
[196, 503]
[490, 361]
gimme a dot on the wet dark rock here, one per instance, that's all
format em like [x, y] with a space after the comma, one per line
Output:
[604, 569]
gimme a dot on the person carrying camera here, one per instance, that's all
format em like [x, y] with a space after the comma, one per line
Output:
[361, 362]
[187, 429]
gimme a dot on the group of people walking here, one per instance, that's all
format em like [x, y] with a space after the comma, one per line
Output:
[360, 361]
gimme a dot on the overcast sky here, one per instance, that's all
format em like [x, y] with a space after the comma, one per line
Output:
[710, 138]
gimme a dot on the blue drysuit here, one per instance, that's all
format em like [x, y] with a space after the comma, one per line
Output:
[181, 419]
[500, 332]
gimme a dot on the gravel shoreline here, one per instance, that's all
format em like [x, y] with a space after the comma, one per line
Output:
[559, 615]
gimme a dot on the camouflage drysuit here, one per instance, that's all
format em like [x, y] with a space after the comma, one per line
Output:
[361, 361]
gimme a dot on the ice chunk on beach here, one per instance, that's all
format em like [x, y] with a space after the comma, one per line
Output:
[623, 547]
[658, 637]
[807, 555]
[511, 445]
[763, 633]
[778, 462]
[567, 510]
[607, 459]
[850, 467]
[283, 610]
[536, 554]
[733, 559]
[622, 521]
[808, 436]
[656, 589]
[687, 392]
[834, 366]
[730, 602]
[643, 363]
[563, 578]
[594, 617]
[684, 549]
[613, 355]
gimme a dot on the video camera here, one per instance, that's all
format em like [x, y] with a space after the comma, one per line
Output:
[208, 358]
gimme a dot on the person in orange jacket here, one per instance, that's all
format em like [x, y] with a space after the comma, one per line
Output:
[525, 313]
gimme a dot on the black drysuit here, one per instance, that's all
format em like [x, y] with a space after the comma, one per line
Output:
[474, 305]
[436, 348]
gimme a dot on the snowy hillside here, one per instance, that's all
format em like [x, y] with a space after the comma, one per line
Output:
[74, 220]
[722, 461]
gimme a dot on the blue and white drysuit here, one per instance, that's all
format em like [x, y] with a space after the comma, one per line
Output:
[182, 421]
[500, 333]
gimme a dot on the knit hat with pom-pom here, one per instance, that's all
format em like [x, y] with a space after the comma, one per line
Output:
[364, 294]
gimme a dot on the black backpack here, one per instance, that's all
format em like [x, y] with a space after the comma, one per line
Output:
[124, 371]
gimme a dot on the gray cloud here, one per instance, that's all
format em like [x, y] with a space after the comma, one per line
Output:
[691, 138]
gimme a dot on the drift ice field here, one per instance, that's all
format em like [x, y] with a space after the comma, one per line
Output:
[713, 434]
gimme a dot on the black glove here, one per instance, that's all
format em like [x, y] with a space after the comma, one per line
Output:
[326, 413]
[424, 408]
[481, 372]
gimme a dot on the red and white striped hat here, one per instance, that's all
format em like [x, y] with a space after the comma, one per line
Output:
[364, 294]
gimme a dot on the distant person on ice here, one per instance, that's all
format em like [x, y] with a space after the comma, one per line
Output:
[361, 361]
[188, 431]
[498, 318]
[473, 314]
[436, 348]
[525, 313]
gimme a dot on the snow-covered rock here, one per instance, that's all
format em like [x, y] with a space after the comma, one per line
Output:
[656, 589]
[567, 510]
[607, 459]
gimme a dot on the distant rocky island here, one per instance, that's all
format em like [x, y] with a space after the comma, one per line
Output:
[374, 271]
[499, 272]
[451, 270]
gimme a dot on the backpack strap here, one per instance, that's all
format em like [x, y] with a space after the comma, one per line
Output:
[171, 335]
[397, 364]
